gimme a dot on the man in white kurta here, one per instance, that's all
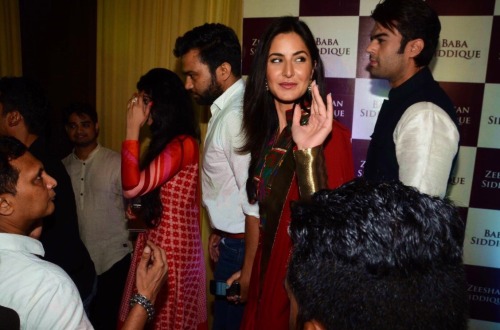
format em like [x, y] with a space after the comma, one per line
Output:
[40, 292]
[96, 179]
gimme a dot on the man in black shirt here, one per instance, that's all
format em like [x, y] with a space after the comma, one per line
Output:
[24, 115]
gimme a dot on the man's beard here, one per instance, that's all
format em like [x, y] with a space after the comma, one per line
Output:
[210, 94]
[85, 143]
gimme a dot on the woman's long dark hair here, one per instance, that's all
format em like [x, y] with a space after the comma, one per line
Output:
[260, 119]
[173, 115]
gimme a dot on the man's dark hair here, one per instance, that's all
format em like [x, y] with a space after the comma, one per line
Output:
[80, 109]
[24, 95]
[10, 149]
[378, 256]
[413, 19]
[216, 43]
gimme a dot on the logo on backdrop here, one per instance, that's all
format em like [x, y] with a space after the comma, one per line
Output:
[468, 101]
[342, 90]
[337, 50]
[454, 180]
[457, 48]
[484, 293]
[331, 47]
[359, 147]
[491, 179]
[493, 120]
[460, 182]
[489, 237]
[462, 54]
[253, 28]
[489, 134]
[482, 240]
[370, 94]
[253, 46]
[486, 183]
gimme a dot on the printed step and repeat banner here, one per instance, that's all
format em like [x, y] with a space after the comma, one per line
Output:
[467, 65]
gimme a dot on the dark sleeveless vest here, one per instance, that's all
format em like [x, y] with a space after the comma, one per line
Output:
[381, 162]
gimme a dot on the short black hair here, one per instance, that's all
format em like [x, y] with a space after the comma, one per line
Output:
[10, 149]
[26, 96]
[80, 108]
[216, 43]
[378, 255]
[413, 19]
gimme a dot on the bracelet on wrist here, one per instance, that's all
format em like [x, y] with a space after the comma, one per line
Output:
[145, 303]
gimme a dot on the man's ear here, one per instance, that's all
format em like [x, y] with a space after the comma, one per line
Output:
[313, 325]
[415, 47]
[6, 207]
[14, 118]
[224, 71]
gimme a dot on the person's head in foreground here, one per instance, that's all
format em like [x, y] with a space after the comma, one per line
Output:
[26, 190]
[376, 256]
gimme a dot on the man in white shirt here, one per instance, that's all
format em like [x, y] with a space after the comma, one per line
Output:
[416, 136]
[211, 60]
[41, 293]
[95, 177]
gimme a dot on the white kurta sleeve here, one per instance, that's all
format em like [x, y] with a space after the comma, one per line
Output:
[426, 142]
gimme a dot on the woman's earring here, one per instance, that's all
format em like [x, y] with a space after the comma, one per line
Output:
[267, 86]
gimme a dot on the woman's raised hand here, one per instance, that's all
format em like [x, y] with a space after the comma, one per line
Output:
[137, 115]
[319, 125]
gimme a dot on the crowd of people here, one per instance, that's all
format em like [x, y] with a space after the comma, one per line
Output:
[296, 241]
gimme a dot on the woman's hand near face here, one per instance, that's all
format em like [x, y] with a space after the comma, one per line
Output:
[319, 125]
[137, 115]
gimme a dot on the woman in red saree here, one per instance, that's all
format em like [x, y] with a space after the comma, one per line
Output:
[286, 81]
[167, 184]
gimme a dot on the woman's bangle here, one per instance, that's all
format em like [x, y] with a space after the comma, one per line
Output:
[144, 302]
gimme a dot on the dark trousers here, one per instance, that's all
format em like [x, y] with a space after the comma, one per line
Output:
[227, 316]
[106, 304]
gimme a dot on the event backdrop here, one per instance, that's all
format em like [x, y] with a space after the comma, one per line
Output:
[467, 65]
